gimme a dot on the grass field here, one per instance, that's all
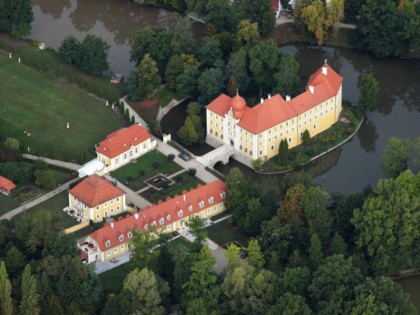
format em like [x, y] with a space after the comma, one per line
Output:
[7, 203]
[55, 206]
[225, 232]
[43, 104]
[145, 163]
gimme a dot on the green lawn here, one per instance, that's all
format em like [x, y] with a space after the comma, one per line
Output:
[225, 232]
[145, 163]
[7, 203]
[188, 182]
[55, 206]
[43, 104]
[220, 215]
[112, 280]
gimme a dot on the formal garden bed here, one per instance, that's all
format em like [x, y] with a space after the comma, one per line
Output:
[184, 181]
[150, 164]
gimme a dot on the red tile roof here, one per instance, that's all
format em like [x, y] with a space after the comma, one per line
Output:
[95, 190]
[275, 5]
[6, 184]
[121, 140]
[276, 110]
[188, 202]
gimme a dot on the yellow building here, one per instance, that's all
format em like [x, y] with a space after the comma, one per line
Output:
[256, 132]
[96, 198]
[122, 146]
[172, 215]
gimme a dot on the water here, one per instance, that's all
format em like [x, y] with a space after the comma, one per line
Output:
[112, 20]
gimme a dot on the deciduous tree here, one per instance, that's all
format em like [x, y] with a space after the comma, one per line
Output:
[210, 84]
[291, 305]
[222, 15]
[237, 67]
[315, 17]
[315, 251]
[247, 35]
[287, 78]
[335, 11]
[255, 256]
[94, 55]
[291, 207]
[5, 291]
[16, 17]
[395, 156]
[30, 298]
[368, 89]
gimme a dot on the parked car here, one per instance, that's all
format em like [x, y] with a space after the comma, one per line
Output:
[243, 254]
[184, 156]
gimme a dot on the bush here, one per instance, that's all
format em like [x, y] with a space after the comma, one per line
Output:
[171, 157]
[165, 97]
[192, 172]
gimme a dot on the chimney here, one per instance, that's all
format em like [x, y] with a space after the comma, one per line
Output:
[311, 89]
[269, 96]
[262, 100]
[112, 224]
[287, 98]
[184, 197]
[136, 215]
[324, 70]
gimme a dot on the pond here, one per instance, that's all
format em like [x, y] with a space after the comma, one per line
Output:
[112, 20]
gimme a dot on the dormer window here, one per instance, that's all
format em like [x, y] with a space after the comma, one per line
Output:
[190, 208]
[211, 199]
[108, 243]
[121, 238]
[146, 227]
[201, 204]
[168, 217]
[154, 223]
[135, 139]
[180, 213]
[129, 234]
[104, 148]
[161, 221]
[223, 195]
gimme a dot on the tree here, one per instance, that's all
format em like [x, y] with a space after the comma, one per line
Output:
[210, 50]
[237, 67]
[94, 55]
[290, 207]
[263, 62]
[315, 18]
[255, 256]
[148, 76]
[16, 17]
[153, 41]
[196, 227]
[287, 78]
[283, 152]
[202, 282]
[338, 246]
[247, 35]
[385, 30]
[44, 178]
[15, 261]
[186, 82]
[290, 304]
[387, 225]
[335, 11]
[54, 306]
[333, 284]
[306, 136]
[141, 245]
[210, 84]
[182, 40]
[296, 281]
[395, 156]
[193, 130]
[12, 143]
[315, 251]
[381, 296]
[260, 11]
[173, 69]
[70, 50]
[5, 291]
[316, 214]
[144, 293]
[222, 15]
[369, 89]
[29, 301]
[232, 257]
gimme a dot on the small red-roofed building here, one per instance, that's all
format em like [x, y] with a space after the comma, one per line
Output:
[95, 198]
[172, 215]
[122, 146]
[256, 132]
[6, 185]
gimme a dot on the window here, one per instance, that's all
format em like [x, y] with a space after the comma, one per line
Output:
[221, 206]
[137, 150]
[112, 210]
[121, 238]
[315, 126]
[287, 123]
[269, 139]
[211, 131]
[97, 208]
[161, 221]
[180, 213]
[97, 216]
[154, 223]
[108, 243]
[112, 201]
[118, 199]
[320, 114]
[246, 150]
[168, 217]
[190, 208]
[208, 210]
[106, 204]
[118, 208]
[214, 209]
[272, 148]
[223, 195]
[250, 152]
[146, 227]
[293, 128]
[240, 147]
[108, 253]
[269, 131]
[115, 250]
[260, 152]
[125, 156]
[290, 139]
[201, 204]
[211, 200]
[122, 247]
[130, 234]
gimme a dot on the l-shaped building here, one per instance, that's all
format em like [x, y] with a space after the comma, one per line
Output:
[256, 132]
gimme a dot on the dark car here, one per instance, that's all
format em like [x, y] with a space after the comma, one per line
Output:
[243, 254]
[184, 156]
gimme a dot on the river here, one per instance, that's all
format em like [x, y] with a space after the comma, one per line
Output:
[112, 20]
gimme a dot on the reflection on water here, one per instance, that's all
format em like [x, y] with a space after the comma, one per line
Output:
[113, 20]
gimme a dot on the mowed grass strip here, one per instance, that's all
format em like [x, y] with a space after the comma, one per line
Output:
[43, 105]
[225, 232]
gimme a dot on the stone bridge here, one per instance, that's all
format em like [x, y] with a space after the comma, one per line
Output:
[221, 154]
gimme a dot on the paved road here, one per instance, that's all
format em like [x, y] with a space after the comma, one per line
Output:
[37, 201]
[283, 19]
[62, 164]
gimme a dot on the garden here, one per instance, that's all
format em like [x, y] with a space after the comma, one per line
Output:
[226, 232]
[150, 164]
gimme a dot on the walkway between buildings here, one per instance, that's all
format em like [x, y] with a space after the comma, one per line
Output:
[37, 201]
[221, 154]
[62, 164]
